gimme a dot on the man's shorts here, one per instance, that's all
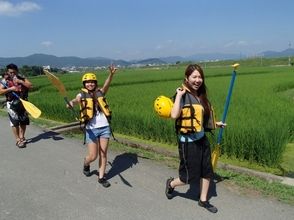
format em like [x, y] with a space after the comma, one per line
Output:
[93, 134]
[17, 119]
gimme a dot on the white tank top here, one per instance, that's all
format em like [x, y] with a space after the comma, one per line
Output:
[98, 121]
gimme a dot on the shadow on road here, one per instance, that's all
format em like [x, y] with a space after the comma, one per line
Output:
[45, 135]
[193, 192]
[121, 163]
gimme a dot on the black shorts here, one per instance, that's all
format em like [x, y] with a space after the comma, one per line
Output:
[17, 113]
[195, 160]
[22, 119]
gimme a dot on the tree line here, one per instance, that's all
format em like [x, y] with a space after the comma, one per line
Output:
[32, 70]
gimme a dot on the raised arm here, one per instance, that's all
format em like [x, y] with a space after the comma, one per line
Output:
[112, 70]
[176, 110]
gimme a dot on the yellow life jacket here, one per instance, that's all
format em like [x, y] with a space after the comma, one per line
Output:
[191, 119]
[88, 105]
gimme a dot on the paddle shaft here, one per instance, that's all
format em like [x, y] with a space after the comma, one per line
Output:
[220, 134]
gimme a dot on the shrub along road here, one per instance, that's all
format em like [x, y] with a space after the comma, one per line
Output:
[44, 181]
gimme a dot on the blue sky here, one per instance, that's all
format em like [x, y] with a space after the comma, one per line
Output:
[139, 29]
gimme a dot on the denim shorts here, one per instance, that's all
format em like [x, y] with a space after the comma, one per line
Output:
[93, 134]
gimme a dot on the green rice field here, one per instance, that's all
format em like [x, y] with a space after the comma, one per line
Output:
[260, 117]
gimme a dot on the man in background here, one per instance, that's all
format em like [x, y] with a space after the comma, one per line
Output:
[15, 86]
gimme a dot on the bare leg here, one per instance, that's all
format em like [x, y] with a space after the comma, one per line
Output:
[22, 131]
[92, 153]
[204, 185]
[177, 182]
[102, 151]
[15, 131]
[203, 202]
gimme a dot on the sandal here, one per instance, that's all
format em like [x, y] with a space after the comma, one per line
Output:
[24, 140]
[21, 143]
[17, 142]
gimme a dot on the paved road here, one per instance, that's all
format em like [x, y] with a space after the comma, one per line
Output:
[44, 181]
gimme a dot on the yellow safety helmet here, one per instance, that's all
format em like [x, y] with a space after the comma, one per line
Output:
[89, 76]
[163, 106]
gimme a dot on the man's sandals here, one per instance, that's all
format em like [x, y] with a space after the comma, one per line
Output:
[21, 143]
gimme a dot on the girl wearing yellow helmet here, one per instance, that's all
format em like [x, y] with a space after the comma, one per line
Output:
[95, 115]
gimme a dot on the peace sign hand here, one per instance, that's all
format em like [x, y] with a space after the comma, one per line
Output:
[112, 69]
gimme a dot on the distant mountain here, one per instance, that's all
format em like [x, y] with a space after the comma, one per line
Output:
[156, 61]
[284, 53]
[172, 59]
[58, 62]
[213, 56]
[202, 57]
[70, 61]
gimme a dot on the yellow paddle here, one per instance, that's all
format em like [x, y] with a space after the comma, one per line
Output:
[216, 152]
[57, 83]
[60, 87]
[29, 107]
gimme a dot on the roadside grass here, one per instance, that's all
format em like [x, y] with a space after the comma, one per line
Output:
[252, 185]
[252, 165]
[288, 160]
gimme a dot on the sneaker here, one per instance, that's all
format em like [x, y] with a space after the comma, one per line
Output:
[86, 170]
[168, 189]
[103, 181]
[207, 206]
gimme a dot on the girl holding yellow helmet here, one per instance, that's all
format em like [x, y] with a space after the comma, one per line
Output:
[192, 111]
[95, 114]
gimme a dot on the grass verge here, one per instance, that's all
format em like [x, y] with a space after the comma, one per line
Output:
[288, 160]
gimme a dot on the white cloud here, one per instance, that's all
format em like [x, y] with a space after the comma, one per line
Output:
[47, 43]
[10, 9]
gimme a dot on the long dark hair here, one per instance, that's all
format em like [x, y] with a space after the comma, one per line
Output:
[202, 90]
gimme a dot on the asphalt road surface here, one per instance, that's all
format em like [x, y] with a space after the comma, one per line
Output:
[45, 181]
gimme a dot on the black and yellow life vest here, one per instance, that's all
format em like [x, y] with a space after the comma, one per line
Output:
[192, 119]
[91, 103]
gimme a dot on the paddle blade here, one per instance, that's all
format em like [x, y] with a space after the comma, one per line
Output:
[214, 156]
[56, 82]
[31, 109]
